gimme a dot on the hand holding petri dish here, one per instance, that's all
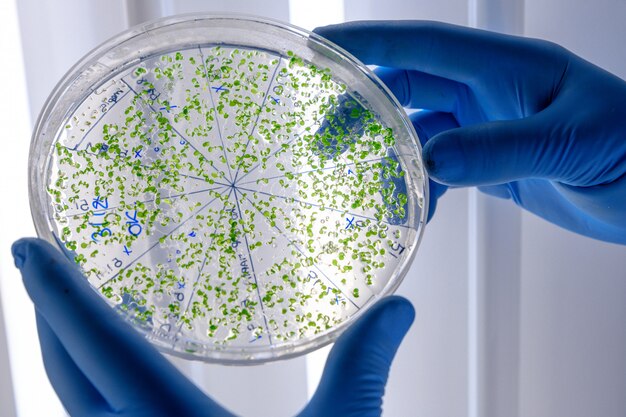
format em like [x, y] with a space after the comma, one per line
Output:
[239, 189]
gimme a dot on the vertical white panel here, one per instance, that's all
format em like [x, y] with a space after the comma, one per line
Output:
[451, 11]
[494, 302]
[494, 273]
[505, 16]
[140, 11]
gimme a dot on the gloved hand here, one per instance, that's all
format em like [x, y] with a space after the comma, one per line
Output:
[538, 124]
[100, 366]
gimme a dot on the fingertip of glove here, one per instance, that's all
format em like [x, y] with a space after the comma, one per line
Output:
[396, 314]
[324, 30]
[330, 31]
[25, 249]
[20, 250]
[399, 303]
[444, 161]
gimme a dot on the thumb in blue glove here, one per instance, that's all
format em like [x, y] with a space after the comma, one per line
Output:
[356, 372]
[100, 366]
[527, 119]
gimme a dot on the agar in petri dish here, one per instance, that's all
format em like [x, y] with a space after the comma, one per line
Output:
[240, 190]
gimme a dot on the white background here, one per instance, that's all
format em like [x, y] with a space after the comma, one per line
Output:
[514, 316]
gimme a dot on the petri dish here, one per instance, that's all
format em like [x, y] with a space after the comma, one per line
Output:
[239, 189]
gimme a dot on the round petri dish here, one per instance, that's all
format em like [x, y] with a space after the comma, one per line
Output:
[239, 189]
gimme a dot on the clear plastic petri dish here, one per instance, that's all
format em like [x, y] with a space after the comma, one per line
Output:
[239, 189]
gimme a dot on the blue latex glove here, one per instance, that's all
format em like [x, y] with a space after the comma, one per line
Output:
[100, 366]
[538, 124]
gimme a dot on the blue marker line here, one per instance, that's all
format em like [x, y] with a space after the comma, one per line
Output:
[195, 283]
[296, 137]
[100, 118]
[325, 207]
[254, 274]
[317, 170]
[157, 242]
[217, 122]
[172, 125]
[152, 199]
[256, 122]
[282, 234]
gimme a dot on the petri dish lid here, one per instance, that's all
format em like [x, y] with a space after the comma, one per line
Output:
[239, 189]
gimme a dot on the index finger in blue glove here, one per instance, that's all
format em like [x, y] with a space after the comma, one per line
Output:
[496, 152]
[453, 52]
[120, 364]
[357, 368]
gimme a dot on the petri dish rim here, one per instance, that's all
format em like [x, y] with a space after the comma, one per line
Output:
[45, 135]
